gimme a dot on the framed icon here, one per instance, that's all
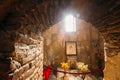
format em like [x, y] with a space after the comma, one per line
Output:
[71, 48]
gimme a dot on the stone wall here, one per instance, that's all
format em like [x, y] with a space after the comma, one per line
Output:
[21, 54]
[112, 68]
[30, 71]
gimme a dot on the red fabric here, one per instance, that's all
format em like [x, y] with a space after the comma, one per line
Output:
[46, 72]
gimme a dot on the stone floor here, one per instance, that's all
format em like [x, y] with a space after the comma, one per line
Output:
[72, 77]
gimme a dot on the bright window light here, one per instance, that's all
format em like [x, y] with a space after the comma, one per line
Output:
[70, 24]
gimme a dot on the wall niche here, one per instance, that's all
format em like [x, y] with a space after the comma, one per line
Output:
[88, 39]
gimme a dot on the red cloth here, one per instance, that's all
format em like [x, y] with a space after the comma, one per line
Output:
[46, 72]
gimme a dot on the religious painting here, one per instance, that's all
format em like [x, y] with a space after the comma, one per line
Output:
[71, 48]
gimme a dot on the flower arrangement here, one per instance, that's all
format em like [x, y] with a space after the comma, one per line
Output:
[65, 65]
[82, 67]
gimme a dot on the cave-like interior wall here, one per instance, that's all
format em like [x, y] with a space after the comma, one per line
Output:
[21, 54]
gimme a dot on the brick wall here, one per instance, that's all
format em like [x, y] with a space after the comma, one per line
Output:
[29, 71]
[21, 54]
[30, 56]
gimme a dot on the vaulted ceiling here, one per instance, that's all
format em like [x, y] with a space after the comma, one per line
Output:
[103, 14]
